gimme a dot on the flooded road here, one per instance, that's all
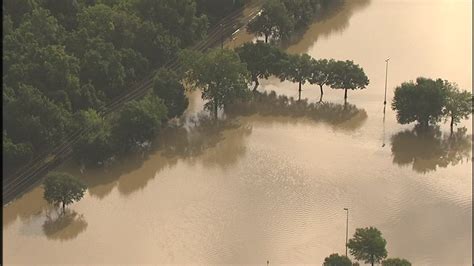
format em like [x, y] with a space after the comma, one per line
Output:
[273, 187]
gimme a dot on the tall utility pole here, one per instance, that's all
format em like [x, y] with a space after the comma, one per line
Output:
[386, 74]
[347, 225]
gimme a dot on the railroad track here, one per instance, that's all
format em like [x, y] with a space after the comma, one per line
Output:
[31, 174]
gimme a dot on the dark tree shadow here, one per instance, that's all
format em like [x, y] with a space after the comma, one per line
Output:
[428, 149]
[333, 19]
[340, 116]
[64, 226]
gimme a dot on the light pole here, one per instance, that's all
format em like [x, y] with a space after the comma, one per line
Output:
[222, 35]
[386, 73]
[347, 225]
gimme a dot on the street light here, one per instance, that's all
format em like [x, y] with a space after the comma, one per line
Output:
[386, 73]
[347, 225]
[222, 35]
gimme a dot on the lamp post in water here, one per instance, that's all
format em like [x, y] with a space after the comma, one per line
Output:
[386, 73]
[347, 225]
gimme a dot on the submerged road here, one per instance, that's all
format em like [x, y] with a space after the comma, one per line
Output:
[31, 174]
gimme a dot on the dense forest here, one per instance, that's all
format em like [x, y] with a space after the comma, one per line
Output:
[64, 60]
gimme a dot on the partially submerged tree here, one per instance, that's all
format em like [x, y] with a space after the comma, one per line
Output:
[422, 101]
[168, 87]
[297, 69]
[274, 21]
[347, 75]
[219, 74]
[321, 73]
[368, 245]
[95, 145]
[395, 262]
[337, 260]
[262, 59]
[62, 189]
[139, 121]
[458, 104]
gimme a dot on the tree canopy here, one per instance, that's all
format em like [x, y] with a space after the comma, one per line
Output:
[220, 75]
[368, 245]
[459, 104]
[62, 189]
[337, 260]
[395, 262]
[62, 58]
[262, 59]
[347, 75]
[420, 101]
[274, 21]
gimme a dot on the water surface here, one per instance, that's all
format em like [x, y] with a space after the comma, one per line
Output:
[273, 187]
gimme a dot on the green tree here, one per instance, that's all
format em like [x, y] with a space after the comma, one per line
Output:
[395, 262]
[33, 118]
[458, 104]
[368, 245]
[219, 74]
[273, 21]
[139, 121]
[297, 69]
[261, 59]
[61, 189]
[422, 101]
[347, 75]
[15, 154]
[167, 86]
[321, 73]
[95, 145]
[337, 260]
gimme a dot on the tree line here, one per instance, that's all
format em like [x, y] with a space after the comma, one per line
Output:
[65, 59]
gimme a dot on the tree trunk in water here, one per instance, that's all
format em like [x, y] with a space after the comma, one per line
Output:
[321, 89]
[345, 94]
[64, 206]
[215, 108]
[255, 79]
[452, 123]
[266, 38]
[299, 91]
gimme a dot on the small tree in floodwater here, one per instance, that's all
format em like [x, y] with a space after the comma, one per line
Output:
[347, 75]
[297, 69]
[337, 260]
[61, 189]
[422, 101]
[368, 245]
[262, 60]
[321, 73]
[458, 104]
[396, 262]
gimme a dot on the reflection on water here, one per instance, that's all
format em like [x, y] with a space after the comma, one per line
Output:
[64, 226]
[426, 150]
[175, 143]
[335, 20]
[270, 183]
[339, 116]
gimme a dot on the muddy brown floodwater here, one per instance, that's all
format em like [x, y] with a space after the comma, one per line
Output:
[273, 187]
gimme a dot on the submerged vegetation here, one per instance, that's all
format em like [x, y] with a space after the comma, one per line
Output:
[61, 59]
[367, 245]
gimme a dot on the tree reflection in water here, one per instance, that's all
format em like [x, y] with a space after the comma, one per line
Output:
[429, 149]
[339, 116]
[64, 226]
